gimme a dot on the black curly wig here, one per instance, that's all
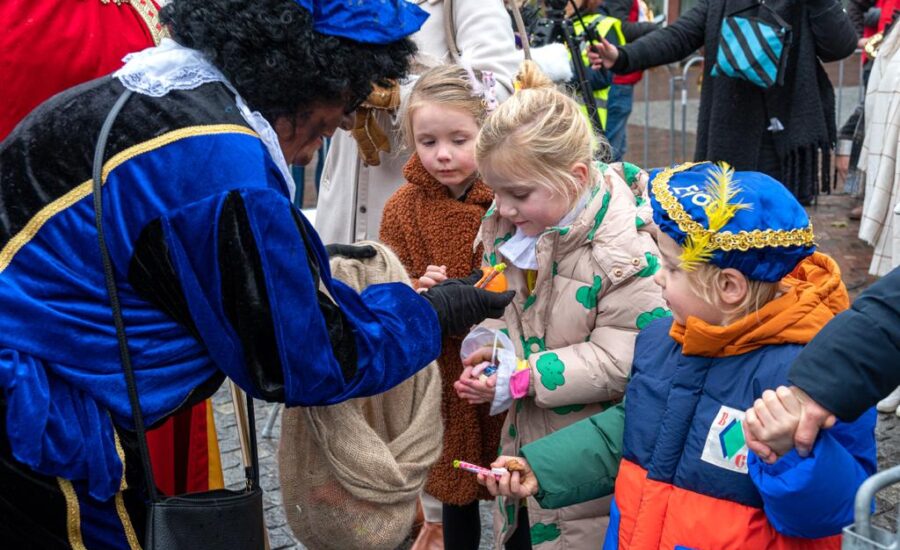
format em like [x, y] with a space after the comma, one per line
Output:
[271, 54]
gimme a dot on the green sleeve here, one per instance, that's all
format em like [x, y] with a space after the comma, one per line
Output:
[579, 462]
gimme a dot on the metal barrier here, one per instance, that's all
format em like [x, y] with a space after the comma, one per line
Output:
[862, 535]
[679, 97]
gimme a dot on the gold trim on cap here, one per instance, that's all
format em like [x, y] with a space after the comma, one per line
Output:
[724, 240]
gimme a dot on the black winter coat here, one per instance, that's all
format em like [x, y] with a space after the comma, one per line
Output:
[855, 360]
[735, 115]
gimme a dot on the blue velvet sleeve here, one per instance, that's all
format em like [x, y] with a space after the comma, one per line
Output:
[259, 291]
[813, 497]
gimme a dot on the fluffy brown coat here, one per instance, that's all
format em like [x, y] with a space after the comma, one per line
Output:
[424, 225]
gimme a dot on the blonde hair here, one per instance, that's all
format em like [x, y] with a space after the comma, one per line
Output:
[538, 135]
[448, 86]
[706, 279]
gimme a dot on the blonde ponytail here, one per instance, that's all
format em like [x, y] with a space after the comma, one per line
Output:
[531, 77]
[537, 136]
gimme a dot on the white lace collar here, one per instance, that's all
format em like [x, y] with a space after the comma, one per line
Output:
[170, 66]
[521, 250]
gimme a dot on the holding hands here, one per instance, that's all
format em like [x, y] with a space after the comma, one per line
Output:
[784, 419]
[774, 419]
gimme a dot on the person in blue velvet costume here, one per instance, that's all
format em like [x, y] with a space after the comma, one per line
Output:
[218, 274]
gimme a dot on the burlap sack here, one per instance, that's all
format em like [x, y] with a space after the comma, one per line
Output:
[351, 472]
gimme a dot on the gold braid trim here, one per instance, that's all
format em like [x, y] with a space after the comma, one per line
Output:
[73, 514]
[149, 14]
[23, 237]
[127, 526]
[724, 240]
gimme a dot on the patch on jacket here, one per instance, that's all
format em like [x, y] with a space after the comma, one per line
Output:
[725, 446]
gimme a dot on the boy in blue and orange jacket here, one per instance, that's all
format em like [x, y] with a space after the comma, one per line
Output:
[747, 291]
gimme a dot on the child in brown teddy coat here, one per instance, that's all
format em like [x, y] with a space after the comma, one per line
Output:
[431, 223]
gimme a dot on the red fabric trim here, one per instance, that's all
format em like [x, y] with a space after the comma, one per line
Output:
[630, 78]
[657, 515]
[48, 46]
[179, 452]
[887, 10]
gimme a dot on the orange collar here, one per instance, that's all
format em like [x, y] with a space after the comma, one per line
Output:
[814, 295]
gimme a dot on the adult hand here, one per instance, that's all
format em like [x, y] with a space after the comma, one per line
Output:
[352, 251]
[459, 305]
[520, 484]
[602, 55]
[468, 280]
[813, 418]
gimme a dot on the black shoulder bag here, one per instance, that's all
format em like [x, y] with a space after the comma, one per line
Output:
[213, 520]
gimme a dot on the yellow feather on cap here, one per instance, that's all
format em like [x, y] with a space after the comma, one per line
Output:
[721, 189]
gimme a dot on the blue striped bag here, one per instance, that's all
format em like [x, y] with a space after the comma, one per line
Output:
[752, 49]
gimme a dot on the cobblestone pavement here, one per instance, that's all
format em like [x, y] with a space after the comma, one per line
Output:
[836, 236]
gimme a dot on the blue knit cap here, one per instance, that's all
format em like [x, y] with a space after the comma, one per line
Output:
[367, 21]
[743, 220]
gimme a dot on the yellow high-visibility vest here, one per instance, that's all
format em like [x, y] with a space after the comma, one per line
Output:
[604, 25]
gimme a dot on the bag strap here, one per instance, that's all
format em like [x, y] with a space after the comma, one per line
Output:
[125, 355]
[450, 31]
[520, 27]
[762, 4]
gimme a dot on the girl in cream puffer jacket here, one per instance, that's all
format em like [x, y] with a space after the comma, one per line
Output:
[584, 288]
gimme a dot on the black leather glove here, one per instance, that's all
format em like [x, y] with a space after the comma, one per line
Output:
[459, 305]
[469, 279]
[352, 251]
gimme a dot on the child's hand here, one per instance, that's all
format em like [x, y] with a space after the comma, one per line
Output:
[772, 420]
[471, 388]
[434, 274]
[479, 356]
[518, 484]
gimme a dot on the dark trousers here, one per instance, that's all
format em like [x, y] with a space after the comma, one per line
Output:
[462, 528]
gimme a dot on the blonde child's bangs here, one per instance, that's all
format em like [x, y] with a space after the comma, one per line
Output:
[513, 166]
[448, 86]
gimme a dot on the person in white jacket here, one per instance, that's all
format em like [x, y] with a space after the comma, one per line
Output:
[354, 192]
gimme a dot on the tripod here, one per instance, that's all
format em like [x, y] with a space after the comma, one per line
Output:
[556, 27]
